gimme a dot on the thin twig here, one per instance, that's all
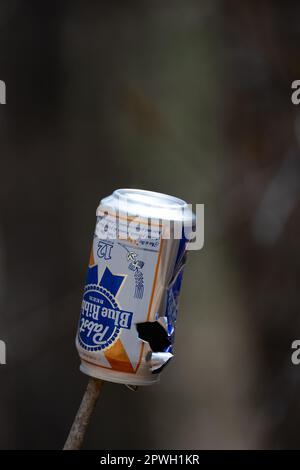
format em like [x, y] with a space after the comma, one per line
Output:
[84, 413]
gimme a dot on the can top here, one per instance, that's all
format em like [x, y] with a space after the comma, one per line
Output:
[142, 203]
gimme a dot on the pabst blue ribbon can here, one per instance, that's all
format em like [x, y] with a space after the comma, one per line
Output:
[130, 299]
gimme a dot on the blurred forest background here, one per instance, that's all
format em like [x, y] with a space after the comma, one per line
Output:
[191, 98]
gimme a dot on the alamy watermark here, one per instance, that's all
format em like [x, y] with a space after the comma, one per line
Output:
[295, 356]
[115, 224]
[2, 92]
[295, 96]
[2, 352]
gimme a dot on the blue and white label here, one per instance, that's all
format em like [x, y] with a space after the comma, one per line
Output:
[118, 294]
[101, 318]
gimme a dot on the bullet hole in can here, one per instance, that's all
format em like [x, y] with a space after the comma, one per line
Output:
[155, 334]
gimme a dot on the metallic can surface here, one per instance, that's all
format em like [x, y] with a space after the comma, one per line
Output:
[130, 301]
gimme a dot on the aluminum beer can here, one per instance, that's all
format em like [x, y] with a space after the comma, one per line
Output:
[130, 300]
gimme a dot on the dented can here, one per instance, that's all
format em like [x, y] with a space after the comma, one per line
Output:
[130, 300]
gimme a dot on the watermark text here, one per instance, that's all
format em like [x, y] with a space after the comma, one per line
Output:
[2, 92]
[2, 352]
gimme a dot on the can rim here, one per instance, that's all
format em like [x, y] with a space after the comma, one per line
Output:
[150, 198]
[147, 203]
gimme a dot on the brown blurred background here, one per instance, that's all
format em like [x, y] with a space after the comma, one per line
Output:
[189, 98]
